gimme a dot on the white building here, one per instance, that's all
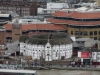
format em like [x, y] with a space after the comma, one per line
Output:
[57, 5]
[52, 8]
[48, 49]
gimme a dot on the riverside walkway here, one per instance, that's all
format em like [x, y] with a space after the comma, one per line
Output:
[87, 68]
[95, 68]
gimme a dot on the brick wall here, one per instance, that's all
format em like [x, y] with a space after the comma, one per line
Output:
[16, 33]
[2, 37]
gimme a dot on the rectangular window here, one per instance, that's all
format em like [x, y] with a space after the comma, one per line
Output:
[95, 32]
[85, 33]
[99, 32]
[77, 37]
[91, 33]
[17, 34]
[76, 32]
[95, 38]
[71, 32]
[99, 38]
[91, 37]
[80, 33]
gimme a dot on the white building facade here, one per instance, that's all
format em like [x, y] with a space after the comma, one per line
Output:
[53, 7]
[48, 52]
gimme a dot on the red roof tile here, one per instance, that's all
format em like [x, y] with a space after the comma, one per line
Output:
[26, 27]
[77, 14]
[85, 15]
[57, 21]
[60, 14]
[70, 22]
[76, 23]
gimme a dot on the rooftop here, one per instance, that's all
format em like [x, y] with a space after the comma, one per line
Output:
[75, 23]
[26, 27]
[42, 39]
[78, 14]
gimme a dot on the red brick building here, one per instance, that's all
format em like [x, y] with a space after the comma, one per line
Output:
[22, 7]
[2, 40]
[2, 36]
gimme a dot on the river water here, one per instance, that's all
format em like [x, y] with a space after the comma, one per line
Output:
[67, 72]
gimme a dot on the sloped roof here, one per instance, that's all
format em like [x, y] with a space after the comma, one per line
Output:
[60, 14]
[77, 14]
[26, 27]
[42, 39]
[75, 23]
[75, 44]
[57, 21]
[83, 39]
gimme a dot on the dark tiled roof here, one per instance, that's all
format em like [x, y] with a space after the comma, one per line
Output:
[42, 39]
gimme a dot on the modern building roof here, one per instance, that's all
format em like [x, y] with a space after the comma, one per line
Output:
[60, 14]
[74, 23]
[76, 18]
[26, 27]
[57, 21]
[78, 14]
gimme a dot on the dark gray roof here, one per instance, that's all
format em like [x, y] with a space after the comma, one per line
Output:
[82, 39]
[39, 17]
[75, 44]
[42, 39]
